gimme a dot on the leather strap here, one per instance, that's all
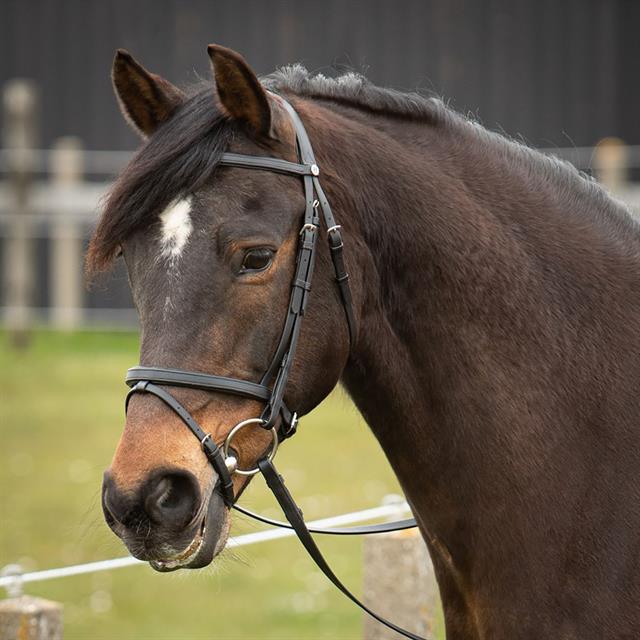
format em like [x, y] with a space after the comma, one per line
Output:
[264, 162]
[335, 239]
[360, 530]
[294, 516]
[300, 289]
[195, 380]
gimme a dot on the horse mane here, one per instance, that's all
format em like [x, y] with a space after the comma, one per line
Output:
[185, 151]
[353, 89]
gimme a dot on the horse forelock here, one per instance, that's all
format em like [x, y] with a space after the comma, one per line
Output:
[179, 158]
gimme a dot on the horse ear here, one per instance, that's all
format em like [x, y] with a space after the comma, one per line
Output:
[146, 100]
[240, 93]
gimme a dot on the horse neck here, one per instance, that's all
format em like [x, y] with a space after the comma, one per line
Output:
[496, 360]
[412, 228]
[457, 327]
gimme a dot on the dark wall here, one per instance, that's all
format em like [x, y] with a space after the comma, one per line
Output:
[558, 72]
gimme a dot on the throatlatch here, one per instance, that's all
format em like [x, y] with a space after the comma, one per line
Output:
[153, 379]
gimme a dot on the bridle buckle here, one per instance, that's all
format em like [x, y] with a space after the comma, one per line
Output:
[291, 429]
[203, 442]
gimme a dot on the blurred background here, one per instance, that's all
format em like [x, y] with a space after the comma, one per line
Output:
[560, 75]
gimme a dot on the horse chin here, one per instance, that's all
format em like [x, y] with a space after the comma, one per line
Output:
[210, 539]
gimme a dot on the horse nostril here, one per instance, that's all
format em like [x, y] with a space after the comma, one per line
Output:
[116, 504]
[171, 499]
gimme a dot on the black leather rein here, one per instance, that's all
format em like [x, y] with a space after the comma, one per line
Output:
[271, 388]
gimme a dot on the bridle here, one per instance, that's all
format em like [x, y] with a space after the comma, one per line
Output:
[147, 379]
[153, 379]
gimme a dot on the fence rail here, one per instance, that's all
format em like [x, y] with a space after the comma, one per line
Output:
[56, 224]
[102, 162]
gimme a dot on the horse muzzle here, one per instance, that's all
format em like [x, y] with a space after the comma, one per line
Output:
[167, 521]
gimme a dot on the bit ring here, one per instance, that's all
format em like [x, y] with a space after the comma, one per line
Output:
[241, 425]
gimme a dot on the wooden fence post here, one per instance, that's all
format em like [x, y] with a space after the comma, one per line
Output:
[30, 618]
[26, 617]
[65, 272]
[20, 98]
[399, 584]
[610, 161]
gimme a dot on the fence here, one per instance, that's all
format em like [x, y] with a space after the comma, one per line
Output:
[403, 590]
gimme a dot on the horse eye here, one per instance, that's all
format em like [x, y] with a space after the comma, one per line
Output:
[257, 260]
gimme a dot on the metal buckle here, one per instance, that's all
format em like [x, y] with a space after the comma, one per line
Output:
[308, 226]
[336, 227]
[292, 427]
[231, 464]
[207, 437]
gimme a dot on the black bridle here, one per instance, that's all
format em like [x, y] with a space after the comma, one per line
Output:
[147, 379]
[153, 379]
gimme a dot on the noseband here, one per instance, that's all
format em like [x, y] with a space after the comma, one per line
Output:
[153, 379]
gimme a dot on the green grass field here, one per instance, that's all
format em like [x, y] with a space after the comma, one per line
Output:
[61, 412]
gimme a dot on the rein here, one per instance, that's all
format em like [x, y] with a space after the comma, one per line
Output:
[153, 379]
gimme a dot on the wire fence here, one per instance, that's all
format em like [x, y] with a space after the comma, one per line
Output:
[12, 578]
[398, 579]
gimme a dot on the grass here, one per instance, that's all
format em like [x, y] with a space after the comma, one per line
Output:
[61, 411]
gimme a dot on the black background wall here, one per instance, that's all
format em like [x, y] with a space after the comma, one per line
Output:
[557, 72]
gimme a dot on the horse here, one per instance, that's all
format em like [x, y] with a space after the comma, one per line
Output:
[496, 350]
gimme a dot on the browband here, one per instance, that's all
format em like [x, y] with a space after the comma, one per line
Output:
[268, 163]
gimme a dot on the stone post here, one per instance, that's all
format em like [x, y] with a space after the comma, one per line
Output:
[399, 584]
[25, 617]
[29, 618]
